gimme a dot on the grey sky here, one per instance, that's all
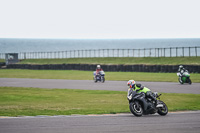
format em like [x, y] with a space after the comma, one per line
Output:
[99, 19]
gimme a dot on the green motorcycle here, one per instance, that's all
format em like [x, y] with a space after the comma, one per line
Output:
[184, 78]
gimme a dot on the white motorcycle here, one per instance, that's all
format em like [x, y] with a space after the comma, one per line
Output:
[99, 77]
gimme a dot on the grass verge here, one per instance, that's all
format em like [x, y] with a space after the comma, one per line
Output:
[18, 101]
[88, 75]
[119, 60]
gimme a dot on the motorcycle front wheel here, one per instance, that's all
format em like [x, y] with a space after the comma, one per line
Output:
[180, 81]
[103, 79]
[163, 110]
[136, 108]
[190, 82]
[95, 80]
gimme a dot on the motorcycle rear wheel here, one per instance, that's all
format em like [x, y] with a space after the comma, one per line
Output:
[164, 110]
[136, 109]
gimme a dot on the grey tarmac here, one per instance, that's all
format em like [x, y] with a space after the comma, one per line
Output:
[178, 122]
[181, 122]
[163, 87]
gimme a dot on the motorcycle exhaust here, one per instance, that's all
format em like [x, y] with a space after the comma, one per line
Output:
[159, 106]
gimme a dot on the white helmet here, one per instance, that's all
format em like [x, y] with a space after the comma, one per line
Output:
[180, 66]
[131, 83]
[98, 66]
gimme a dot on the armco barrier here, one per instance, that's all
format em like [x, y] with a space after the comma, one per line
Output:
[112, 68]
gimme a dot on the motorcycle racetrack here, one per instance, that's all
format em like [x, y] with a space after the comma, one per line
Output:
[164, 87]
[173, 122]
[182, 122]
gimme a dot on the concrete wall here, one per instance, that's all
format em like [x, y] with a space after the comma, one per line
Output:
[113, 68]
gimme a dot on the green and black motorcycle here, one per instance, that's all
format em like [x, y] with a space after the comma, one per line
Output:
[140, 105]
[184, 78]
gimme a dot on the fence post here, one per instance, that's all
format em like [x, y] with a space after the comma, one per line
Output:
[196, 51]
[149, 52]
[24, 55]
[144, 52]
[189, 51]
[107, 52]
[176, 52]
[118, 52]
[158, 52]
[183, 51]
[139, 53]
[164, 52]
[74, 53]
[170, 52]
[128, 52]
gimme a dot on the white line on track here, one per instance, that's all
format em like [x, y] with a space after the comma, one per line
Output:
[90, 115]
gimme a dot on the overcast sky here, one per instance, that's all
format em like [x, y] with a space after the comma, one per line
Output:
[99, 19]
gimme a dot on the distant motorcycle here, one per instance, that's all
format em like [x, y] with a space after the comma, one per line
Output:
[99, 77]
[140, 105]
[184, 78]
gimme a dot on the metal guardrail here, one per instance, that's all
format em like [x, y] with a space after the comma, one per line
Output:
[146, 52]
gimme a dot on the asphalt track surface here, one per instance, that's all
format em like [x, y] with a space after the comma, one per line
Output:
[179, 122]
[184, 122]
[163, 87]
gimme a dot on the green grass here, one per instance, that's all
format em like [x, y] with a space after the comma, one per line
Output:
[17, 101]
[119, 60]
[2, 60]
[88, 75]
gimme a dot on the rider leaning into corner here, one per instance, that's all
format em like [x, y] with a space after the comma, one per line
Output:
[139, 88]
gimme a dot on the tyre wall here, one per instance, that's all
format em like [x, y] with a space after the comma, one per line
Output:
[112, 68]
[2, 64]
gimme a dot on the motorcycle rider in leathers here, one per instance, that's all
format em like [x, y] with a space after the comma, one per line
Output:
[98, 69]
[181, 70]
[139, 88]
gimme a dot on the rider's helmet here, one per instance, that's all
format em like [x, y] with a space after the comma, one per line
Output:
[131, 83]
[98, 67]
[180, 67]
